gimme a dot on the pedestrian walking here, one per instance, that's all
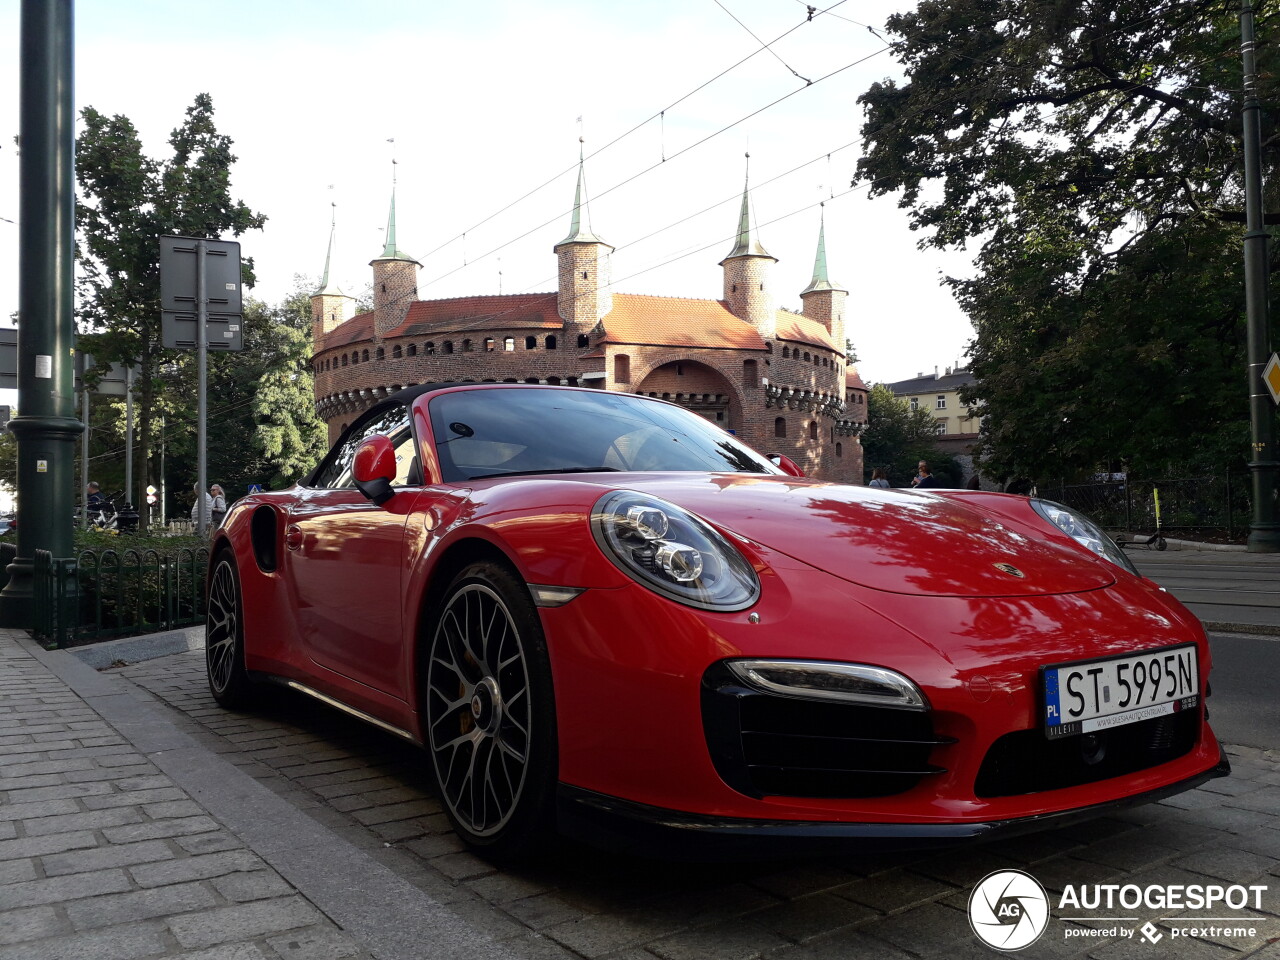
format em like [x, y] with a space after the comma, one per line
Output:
[218, 511]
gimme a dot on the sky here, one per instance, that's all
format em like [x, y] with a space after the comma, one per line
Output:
[481, 107]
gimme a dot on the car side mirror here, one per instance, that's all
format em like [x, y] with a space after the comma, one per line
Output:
[374, 468]
[786, 464]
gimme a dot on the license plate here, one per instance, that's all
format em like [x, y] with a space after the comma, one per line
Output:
[1095, 695]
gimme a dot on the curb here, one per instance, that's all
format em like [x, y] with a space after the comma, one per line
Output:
[1256, 629]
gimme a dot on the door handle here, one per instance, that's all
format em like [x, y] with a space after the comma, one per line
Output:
[293, 536]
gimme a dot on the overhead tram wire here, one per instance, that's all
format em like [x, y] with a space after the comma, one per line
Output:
[622, 136]
[652, 167]
[901, 119]
[768, 46]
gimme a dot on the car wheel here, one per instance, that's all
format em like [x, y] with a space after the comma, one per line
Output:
[490, 711]
[224, 636]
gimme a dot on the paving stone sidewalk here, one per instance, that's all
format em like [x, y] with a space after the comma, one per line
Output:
[175, 828]
[103, 856]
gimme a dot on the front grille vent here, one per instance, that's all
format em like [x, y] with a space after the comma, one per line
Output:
[763, 744]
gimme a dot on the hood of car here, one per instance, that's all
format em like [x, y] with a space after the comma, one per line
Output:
[893, 540]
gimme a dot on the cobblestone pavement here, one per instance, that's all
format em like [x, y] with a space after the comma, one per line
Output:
[371, 790]
[103, 856]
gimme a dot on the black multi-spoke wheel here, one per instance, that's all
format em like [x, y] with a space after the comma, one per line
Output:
[224, 635]
[489, 710]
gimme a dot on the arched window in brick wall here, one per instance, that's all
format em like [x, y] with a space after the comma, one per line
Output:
[839, 450]
[813, 429]
[509, 345]
[364, 356]
[466, 346]
[412, 350]
[551, 342]
[429, 349]
[780, 427]
[584, 340]
[622, 368]
[786, 353]
[531, 343]
[806, 356]
[530, 379]
[397, 352]
[489, 344]
[750, 377]
[448, 346]
[344, 359]
[554, 381]
[355, 356]
[382, 354]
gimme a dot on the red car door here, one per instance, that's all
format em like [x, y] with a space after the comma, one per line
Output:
[345, 559]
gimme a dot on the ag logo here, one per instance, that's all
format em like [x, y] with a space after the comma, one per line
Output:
[1008, 910]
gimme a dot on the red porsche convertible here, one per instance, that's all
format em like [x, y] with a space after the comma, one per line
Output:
[600, 613]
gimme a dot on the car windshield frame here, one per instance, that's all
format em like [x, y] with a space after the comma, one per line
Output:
[516, 430]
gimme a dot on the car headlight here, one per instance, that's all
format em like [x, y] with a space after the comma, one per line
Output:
[1084, 531]
[672, 552]
[820, 680]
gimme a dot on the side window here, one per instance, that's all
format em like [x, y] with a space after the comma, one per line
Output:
[392, 422]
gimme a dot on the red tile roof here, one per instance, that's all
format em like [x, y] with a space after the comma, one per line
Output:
[511, 311]
[358, 328]
[792, 326]
[853, 380]
[675, 322]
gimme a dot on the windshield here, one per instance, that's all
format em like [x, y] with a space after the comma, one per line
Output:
[500, 432]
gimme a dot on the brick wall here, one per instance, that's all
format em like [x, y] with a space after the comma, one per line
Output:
[748, 294]
[585, 272]
[395, 287]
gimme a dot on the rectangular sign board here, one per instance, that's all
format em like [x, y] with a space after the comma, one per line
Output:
[223, 332]
[111, 380]
[178, 275]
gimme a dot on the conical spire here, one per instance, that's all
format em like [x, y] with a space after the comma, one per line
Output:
[329, 288]
[820, 279]
[389, 250]
[748, 244]
[580, 225]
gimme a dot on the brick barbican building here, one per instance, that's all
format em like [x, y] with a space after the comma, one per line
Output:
[777, 379]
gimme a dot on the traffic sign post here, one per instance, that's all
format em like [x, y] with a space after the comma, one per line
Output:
[200, 290]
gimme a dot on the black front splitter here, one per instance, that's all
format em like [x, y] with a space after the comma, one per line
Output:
[647, 831]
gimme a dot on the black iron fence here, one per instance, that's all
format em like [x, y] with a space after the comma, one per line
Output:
[1218, 505]
[103, 594]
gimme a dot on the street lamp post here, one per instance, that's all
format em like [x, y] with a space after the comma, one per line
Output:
[1264, 530]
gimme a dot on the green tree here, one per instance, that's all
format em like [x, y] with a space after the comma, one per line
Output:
[898, 438]
[127, 201]
[1093, 151]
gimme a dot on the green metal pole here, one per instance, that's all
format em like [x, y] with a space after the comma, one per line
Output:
[1264, 530]
[47, 428]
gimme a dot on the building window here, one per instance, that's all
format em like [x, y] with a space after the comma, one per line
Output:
[780, 427]
[448, 346]
[344, 359]
[466, 346]
[364, 356]
[489, 344]
[396, 352]
[622, 368]
[554, 381]
[509, 344]
[813, 429]
[750, 378]
[786, 353]
[413, 349]
[915, 404]
[584, 340]
[839, 450]
[941, 428]
[382, 354]
[806, 356]
[942, 401]
[550, 342]
[531, 343]
[429, 349]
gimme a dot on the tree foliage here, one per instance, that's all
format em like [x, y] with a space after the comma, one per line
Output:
[127, 201]
[1093, 150]
[897, 438]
